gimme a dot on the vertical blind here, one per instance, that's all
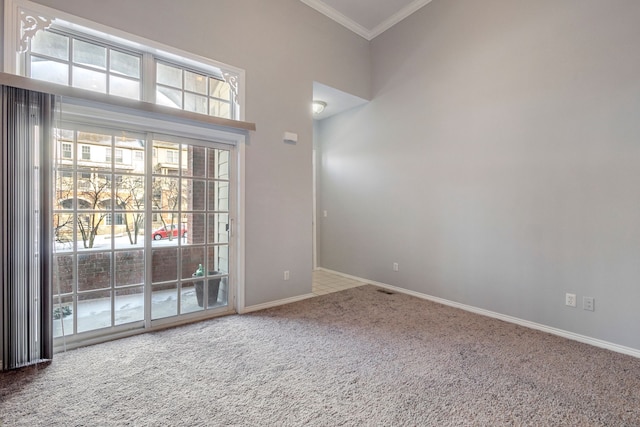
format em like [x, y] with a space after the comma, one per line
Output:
[27, 125]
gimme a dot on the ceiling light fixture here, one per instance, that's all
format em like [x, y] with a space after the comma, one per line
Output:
[318, 106]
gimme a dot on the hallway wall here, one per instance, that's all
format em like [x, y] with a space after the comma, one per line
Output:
[497, 162]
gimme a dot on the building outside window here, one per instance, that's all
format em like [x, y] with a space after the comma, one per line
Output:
[172, 156]
[119, 155]
[119, 219]
[66, 151]
[86, 152]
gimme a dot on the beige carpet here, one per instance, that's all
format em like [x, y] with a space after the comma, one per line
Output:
[360, 357]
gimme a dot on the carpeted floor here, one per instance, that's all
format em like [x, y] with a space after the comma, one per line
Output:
[360, 357]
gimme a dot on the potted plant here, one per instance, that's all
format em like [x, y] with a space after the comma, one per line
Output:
[213, 285]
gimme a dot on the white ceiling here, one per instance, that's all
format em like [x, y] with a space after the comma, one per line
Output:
[367, 18]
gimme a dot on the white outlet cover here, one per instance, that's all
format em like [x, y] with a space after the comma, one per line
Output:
[588, 303]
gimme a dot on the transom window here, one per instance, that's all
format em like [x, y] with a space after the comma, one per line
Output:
[68, 60]
[179, 87]
[74, 52]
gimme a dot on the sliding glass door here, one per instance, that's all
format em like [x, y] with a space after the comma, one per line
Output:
[190, 228]
[142, 230]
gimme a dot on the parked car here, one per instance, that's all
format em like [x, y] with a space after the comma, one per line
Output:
[163, 232]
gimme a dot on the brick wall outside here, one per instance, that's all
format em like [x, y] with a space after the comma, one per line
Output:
[196, 223]
[63, 274]
[94, 271]
[94, 268]
[129, 268]
[165, 265]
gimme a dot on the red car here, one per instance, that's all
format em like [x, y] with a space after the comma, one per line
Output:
[163, 232]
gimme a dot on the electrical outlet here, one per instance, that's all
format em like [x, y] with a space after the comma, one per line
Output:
[589, 303]
[396, 267]
[570, 300]
[286, 275]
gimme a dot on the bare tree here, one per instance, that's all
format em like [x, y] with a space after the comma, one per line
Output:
[63, 222]
[166, 197]
[93, 193]
[130, 196]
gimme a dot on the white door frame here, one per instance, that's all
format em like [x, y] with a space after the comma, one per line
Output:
[89, 113]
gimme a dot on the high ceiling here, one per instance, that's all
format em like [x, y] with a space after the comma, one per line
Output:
[368, 18]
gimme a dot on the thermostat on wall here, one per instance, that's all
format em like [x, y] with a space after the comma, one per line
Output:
[290, 137]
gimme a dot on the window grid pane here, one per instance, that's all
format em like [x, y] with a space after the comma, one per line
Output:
[124, 64]
[51, 44]
[70, 61]
[84, 78]
[89, 54]
[64, 58]
[169, 76]
[188, 90]
[49, 70]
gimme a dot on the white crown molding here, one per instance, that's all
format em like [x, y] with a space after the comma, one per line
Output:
[397, 17]
[341, 19]
[363, 32]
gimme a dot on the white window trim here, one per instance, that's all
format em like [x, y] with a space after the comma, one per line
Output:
[44, 15]
[89, 114]
[86, 112]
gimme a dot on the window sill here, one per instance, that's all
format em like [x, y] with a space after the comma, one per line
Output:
[118, 102]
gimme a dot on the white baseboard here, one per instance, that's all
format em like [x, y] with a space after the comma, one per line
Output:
[272, 304]
[526, 323]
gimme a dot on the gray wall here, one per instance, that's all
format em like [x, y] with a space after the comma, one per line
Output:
[284, 46]
[498, 162]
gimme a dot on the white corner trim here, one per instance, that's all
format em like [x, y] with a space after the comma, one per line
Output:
[510, 319]
[240, 227]
[10, 33]
[397, 17]
[272, 304]
[341, 19]
[352, 25]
